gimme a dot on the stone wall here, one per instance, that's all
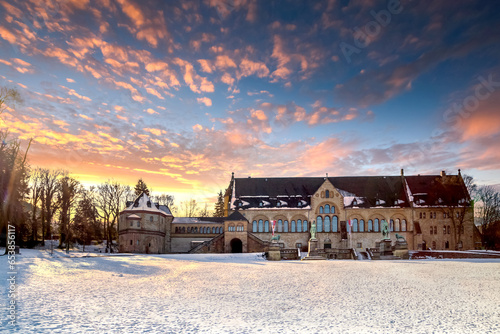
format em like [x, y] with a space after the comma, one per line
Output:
[150, 233]
[183, 244]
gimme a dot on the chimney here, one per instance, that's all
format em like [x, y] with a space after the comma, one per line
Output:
[443, 173]
[402, 172]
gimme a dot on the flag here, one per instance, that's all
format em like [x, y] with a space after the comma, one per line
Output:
[273, 226]
[349, 223]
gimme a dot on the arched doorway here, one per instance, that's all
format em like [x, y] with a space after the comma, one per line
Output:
[236, 246]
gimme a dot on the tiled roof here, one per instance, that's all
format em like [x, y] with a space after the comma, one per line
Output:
[358, 191]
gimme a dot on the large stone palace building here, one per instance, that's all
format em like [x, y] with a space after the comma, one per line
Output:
[429, 211]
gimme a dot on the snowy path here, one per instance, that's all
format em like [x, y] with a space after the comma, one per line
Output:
[225, 293]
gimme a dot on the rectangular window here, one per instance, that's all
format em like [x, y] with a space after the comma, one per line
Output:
[298, 245]
[138, 224]
[137, 242]
[131, 242]
[131, 223]
[359, 245]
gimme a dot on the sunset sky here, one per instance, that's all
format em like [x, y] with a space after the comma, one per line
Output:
[182, 93]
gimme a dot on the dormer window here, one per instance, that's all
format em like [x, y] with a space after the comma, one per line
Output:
[149, 204]
[278, 203]
[299, 204]
[261, 204]
[355, 202]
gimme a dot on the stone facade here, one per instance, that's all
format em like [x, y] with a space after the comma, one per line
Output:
[429, 212]
[144, 228]
[426, 220]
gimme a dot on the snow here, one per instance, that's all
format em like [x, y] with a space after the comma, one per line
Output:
[143, 206]
[348, 200]
[243, 293]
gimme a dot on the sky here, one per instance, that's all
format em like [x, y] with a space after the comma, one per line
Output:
[182, 93]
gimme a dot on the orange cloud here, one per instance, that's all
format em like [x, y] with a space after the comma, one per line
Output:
[7, 35]
[204, 100]
[248, 68]
[154, 92]
[223, 62]
[195, 82]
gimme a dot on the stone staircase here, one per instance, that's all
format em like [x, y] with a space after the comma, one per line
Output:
[207, 246]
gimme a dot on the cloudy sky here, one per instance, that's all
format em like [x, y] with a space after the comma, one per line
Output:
[182, 93]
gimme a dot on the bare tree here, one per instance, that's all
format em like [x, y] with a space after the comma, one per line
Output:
[86, 218]
[488, 208]
[189, 208]
[204, 212]
[165, 199]
[34, 199]
[13, 174]
[49, 198]
[470, 185]
[110, 199]
[70, 189]
[13, 185]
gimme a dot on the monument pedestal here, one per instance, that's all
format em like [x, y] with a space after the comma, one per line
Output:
[274, 253]
[385, 247]
[312, 253]
[401, 249]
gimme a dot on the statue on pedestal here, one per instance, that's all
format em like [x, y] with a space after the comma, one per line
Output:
[313, 230]
[385, 230]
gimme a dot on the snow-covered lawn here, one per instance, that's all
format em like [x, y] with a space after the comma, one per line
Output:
[229, 293]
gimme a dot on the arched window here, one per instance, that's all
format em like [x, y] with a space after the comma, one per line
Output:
[320, 209]
[213, 230]
[327, 224]
[361, 225]
[261, 225]
[376, 226]
[327, 195]
[285, 226]
[332, 209]
[370, 225]
[183, 230]
[220, 229]
[396, 225]
[319, 224]
[294, 228]
[327, 208]
[239, 228]
[266, 226]
[355, 225]
[299, 225]
[391, 225]
[305, 227]
[335, 222]
[280, 225]
[254, 226]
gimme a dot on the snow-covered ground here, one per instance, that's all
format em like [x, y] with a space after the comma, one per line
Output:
[229, 293]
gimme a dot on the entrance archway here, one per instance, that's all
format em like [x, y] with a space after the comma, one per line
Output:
[236, 246]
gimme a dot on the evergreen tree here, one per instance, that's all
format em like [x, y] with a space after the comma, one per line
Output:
[219, 206]
[141, 187]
